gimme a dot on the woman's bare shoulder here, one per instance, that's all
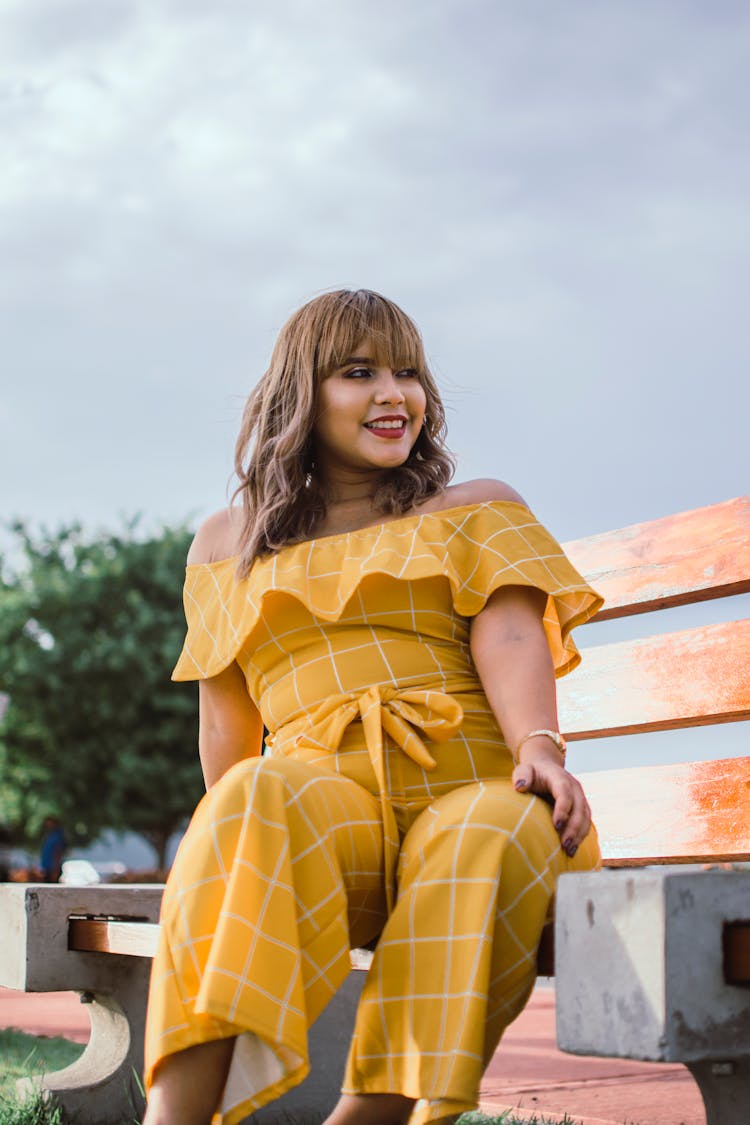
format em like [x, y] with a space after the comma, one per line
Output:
[479, 492]
[216, 538]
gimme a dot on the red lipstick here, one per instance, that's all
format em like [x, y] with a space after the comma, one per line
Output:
[388, 426]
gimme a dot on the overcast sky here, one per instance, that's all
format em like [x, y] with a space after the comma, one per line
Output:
[556, 190]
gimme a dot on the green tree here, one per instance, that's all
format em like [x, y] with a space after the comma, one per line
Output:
[93, 730]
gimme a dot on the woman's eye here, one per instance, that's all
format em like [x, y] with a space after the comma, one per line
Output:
[407, 373]
[358, 373]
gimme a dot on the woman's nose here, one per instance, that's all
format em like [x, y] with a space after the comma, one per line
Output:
[388, 388]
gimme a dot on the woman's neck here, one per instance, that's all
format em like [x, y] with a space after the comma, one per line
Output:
[349, 501]
[348, 514]
[342, 488]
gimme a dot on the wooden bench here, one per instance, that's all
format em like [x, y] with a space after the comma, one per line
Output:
[652, 959]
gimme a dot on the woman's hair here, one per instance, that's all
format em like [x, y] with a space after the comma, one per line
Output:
[283, 500]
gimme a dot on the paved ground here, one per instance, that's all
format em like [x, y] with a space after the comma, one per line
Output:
[527, 1072]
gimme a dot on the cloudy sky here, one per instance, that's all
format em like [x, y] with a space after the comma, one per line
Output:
[556, 190]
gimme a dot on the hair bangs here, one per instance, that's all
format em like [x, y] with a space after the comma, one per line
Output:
[392, 338]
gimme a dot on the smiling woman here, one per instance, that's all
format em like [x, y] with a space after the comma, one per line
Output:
[398, 638]
[339, 339]
[368, 419]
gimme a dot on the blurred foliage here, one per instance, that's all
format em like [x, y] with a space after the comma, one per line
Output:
[94, 731]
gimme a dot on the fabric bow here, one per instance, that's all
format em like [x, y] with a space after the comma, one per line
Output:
[382, 708]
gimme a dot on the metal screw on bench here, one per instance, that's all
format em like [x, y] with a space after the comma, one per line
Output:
[87, 998]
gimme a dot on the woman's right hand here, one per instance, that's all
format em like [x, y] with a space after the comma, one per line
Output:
[571, 814]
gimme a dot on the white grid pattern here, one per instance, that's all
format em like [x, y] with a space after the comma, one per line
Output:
[476, 547]
[363, 644]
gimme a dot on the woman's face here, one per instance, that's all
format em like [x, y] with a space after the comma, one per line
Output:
[367, 416]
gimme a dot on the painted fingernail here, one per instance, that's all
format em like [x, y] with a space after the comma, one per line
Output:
[559, 825]
[570, 848]
[521, 783]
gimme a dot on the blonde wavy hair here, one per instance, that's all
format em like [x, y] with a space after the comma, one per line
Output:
[283, 500]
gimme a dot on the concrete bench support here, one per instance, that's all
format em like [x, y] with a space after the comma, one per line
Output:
[34, 938]
[103, 1086]
[640, 974]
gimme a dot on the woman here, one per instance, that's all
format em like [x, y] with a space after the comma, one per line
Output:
[399, 638]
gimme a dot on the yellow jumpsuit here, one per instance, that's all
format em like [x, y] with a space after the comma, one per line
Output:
[382, 805]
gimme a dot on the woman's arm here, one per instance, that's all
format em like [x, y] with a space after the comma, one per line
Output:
[231, 728]
[513, 660]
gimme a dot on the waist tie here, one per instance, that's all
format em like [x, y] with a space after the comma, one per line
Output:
[395, 711]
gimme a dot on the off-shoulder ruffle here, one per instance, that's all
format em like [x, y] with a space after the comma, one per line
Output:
[477, 547]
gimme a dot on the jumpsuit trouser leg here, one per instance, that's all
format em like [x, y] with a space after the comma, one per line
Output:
[282, 862]
[457, 959]
[283, 868]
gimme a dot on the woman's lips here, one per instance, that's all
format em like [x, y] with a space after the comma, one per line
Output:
[387, 427]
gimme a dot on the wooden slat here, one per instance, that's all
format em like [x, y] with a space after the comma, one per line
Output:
[107, 935]
[690, 678]
[685, 813]
[689, 557]
[688, 813]
[139, 939]
[691, 812]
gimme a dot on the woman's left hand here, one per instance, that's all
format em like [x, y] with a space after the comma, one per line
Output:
[571, 814]
[512, 657]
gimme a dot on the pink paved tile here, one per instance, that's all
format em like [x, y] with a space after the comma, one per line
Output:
[45, 1013]
[527, 1073]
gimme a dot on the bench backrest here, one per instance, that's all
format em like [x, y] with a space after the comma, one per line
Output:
[695, 811]
[659, 813]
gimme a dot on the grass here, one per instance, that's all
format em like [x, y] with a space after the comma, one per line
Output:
[23, 1055]
[509, 1118]
[34, 1111]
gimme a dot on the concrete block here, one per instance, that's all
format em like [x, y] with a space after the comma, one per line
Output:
[639, 971]
[34, 954]
[103, 1084]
